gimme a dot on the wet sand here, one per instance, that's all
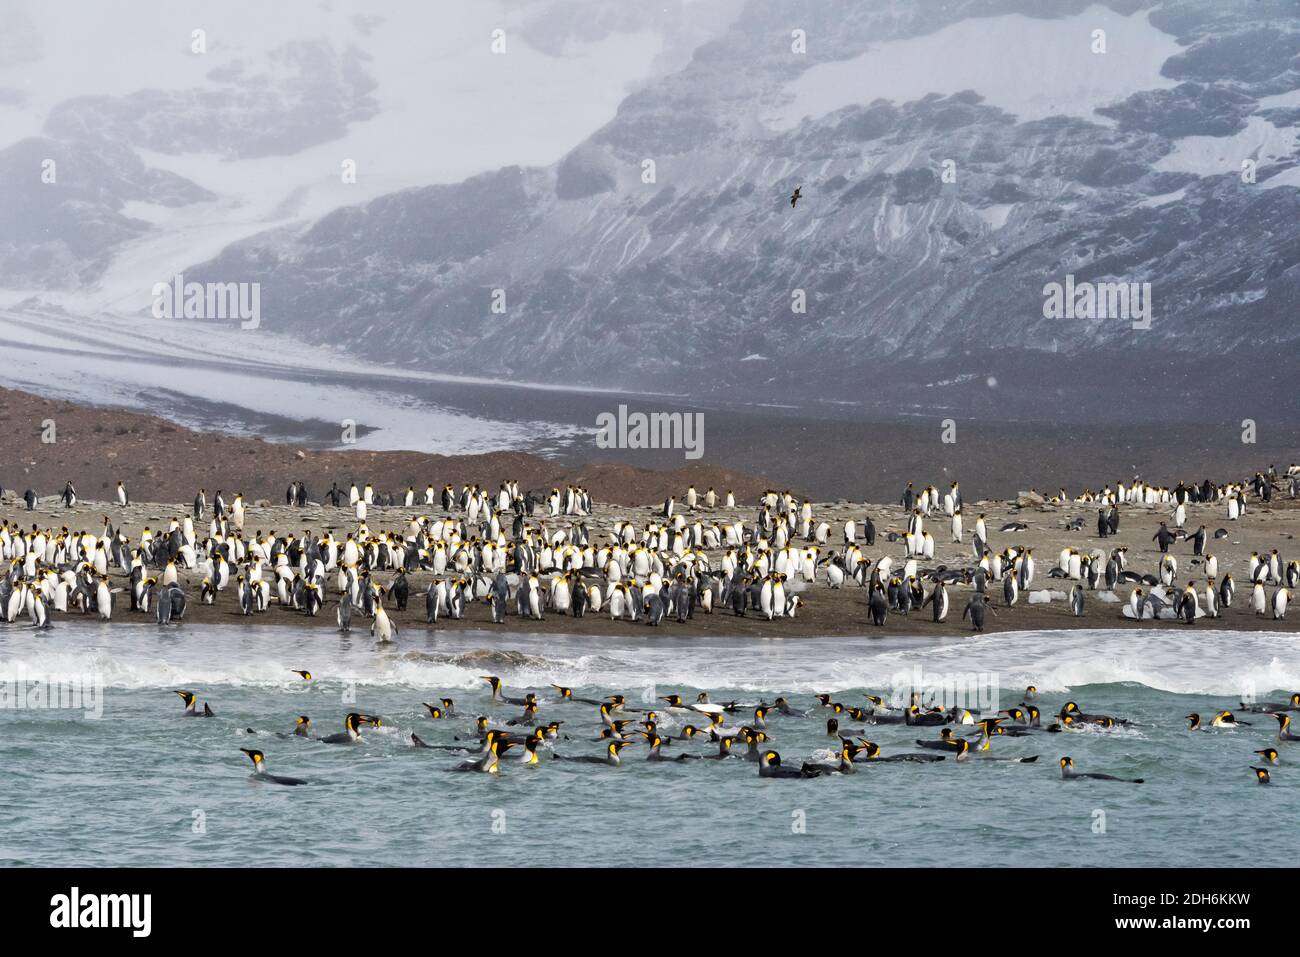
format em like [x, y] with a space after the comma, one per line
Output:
[828, 612]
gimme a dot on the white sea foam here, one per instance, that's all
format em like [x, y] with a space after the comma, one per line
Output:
[1172, 659]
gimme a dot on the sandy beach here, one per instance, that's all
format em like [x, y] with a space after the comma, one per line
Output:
[827, 611]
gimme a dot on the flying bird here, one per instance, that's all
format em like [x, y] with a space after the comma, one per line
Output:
[796, 196]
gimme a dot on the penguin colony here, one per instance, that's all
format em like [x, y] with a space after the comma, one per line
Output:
[536, 723]
[511, 554]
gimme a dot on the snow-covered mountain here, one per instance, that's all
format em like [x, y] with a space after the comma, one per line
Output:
[954, 158]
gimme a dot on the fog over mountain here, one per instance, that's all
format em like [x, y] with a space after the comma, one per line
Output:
[619, 180]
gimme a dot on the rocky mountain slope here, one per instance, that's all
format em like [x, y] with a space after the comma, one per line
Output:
[920, 292]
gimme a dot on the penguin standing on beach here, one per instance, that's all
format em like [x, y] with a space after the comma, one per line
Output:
[878, 605]
[939, 599]
[976, 608]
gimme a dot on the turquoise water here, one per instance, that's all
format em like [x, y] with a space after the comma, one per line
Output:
[142, 785]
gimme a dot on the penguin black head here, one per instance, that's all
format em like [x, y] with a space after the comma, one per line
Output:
[255, 756]
[1268, 754]
[1193, 721]
[186, 696]
[1066, 763]
[1261, 774]
[565, 693]
[832, 727]
[305, 675]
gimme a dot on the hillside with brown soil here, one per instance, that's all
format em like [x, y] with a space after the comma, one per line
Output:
[159, 461]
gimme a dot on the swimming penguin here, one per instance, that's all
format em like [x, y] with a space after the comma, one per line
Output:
[1069, 774]
[610, 757]
[497, 695]
[351, 733]
[1269, 707]
[769, 766]
[1071, 710]
[490, 763]
[1269, 754]
[304, 675]
[1284, 732]
[656, 742]
[1261, 774]
[1224, 719]
[947, 741]
[875, 756]
[191, 706]
[260, 773]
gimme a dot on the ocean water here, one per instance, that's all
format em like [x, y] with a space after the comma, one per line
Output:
[134, 783]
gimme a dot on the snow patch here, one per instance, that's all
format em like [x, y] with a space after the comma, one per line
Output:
[1217, 155]
[1052, 70]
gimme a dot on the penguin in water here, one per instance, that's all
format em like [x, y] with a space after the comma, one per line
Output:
[769, 766]
[874, 755]
[383, 629]
[1269, 707]
[656, 743]
[1269, 755]
[495, 683]
[1069, 774]
[1284, 732]
[1261, 774]
[191, 706]
[351, 733]
[490, 763]
[260, 772]
[610, 756]
[1224, 719]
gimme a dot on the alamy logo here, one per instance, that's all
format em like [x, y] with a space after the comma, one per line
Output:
[179, 299]
[1098, 300]
[653, 430]
[21, 691]
[103, 910]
